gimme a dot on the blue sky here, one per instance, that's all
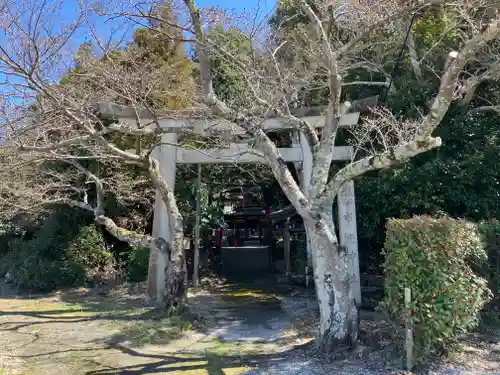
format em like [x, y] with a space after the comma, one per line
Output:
[59, 17]
[105, 28]
[237, 4]
[63, 12]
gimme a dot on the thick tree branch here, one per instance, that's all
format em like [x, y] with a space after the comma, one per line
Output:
[271, 154]
[61, 144]
[322, 156]
[415, 62]
[423, 140]
[130, 237]
[365, 83]
[393, 156]
[473, 83]
[486, 108]
[471, 86]
[444, 97]
[150, 130]
[99, 209]
[70, 202]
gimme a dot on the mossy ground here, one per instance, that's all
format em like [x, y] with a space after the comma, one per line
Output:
[87, 332]
[84, 332]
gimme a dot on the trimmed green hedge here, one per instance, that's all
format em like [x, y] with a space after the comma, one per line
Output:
[433, 257]
[490, 235]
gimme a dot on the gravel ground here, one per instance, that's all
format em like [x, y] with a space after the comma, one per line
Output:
[307, 367]
[379, 356]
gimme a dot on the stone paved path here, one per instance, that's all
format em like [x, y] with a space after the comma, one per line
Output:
[242, 315]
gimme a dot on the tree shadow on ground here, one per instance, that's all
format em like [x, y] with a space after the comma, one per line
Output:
[140, 324]
[479, 349]
[189, 364]
[120, 306]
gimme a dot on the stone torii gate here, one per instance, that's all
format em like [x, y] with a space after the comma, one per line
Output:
[169, 154]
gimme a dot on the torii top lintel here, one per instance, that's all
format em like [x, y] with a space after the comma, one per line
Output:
[200, 122]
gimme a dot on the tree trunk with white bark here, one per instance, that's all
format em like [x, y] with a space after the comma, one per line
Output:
[338, 310]
[175, 292]
[173, 296]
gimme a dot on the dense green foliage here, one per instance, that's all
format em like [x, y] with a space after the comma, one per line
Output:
[66, 249]
[229, 83]
[61, 249]
[432, 257]
[490, 235]
[89, 248]
[137, 262]
[462, 178]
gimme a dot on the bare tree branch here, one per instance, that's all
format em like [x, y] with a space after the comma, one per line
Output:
[448, 81]
[275, 161]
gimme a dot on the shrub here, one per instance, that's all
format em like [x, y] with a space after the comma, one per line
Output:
[58, 255]
[432, 257]
[32, 270]
[138, 263]
[8, 232]
[46, 275]
[490, 235]
[89, 249]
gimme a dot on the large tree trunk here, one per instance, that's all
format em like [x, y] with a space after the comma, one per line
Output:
[339, 319]
[171, 273]
[175, 292]
[170, 263]
[170, 289]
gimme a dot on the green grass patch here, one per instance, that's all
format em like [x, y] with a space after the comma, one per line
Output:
[156, 331]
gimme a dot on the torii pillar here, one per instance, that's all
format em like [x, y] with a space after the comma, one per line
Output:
[348, 235]
[166, 154]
